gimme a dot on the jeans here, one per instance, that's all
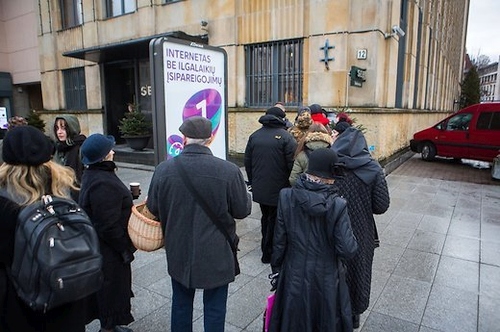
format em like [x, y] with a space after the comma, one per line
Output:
[267, 223]
[214, 308]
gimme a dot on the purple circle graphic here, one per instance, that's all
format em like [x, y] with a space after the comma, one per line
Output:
[206, 103]
[174, 146]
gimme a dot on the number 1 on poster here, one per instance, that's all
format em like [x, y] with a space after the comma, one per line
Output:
[202, 105]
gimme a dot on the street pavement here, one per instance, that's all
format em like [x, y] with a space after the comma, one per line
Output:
[437, 267]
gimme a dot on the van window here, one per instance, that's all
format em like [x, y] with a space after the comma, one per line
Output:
[459, 122]
[489, 120]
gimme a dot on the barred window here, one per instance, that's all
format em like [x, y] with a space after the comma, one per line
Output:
[120, 7]
[74, 88]
[71, 13]
[274, 73]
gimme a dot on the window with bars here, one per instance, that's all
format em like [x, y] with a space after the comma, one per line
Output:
[120, 7]
[274, 73]
[71, 13]
[74, 88]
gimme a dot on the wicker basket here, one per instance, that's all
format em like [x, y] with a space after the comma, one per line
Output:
[144, 231]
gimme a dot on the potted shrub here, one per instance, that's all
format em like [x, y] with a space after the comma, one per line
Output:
[135, 128]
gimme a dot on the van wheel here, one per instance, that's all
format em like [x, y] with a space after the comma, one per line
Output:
[428, 151]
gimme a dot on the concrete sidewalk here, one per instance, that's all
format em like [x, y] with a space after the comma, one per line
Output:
[437, 268]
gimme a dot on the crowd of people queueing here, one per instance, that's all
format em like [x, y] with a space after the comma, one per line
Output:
[318, 188]
[316, 184]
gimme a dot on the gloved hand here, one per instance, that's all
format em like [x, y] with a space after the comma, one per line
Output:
[127, 257]
[274, 281]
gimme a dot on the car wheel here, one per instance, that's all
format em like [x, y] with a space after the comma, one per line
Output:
[428, 151]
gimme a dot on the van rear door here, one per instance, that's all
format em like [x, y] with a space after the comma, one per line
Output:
[485, 133]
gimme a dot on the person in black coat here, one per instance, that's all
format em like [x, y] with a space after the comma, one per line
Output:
[313, 233]
[108, 203]
[365, 189]
[26, 175]
[268, 162]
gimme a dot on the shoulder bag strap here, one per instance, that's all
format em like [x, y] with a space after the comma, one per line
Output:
[203, 203]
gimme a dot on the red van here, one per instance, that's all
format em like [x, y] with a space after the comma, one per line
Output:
[471, 133]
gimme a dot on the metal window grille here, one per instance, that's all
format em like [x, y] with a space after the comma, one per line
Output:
[74, 89]
[120, 7]
[71, 13]
[274, 73]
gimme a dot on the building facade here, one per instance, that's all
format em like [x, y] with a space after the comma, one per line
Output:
[489, 80]
[405, 57]
[20, 89]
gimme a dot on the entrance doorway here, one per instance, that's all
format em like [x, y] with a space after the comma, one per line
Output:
[120, 91]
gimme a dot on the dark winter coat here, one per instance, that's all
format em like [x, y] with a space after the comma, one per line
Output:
[269, 159]
[365, 189]
[14, 314]
[68, 152]
[198, 254]
[312, 232]
[108, 203]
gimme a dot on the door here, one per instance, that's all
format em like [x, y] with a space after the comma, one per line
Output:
[120, 91]
[453, 139]
[485, 134]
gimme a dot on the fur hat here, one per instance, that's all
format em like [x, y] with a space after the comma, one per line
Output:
[95, 148]
[16, 121]
[26, 145]
[323, 163]
[303, 120]
[196, 127]
[277, 112]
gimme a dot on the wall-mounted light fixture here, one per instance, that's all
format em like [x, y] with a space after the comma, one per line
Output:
[396, 30]
[204, 25]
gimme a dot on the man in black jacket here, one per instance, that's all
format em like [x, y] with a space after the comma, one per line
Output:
[268, 162]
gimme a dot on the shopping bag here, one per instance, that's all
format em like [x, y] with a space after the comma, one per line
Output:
[267, 312]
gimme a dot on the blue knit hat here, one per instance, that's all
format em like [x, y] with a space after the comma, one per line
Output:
[96, 147]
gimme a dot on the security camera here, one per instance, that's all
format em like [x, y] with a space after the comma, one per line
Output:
[397, 30]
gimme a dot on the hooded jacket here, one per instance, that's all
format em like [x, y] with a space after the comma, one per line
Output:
[269, 159]
[365, 189]
[312, 232]
[312, 141]
[68, 152]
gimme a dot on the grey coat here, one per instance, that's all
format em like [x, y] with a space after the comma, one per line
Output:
[198, 254]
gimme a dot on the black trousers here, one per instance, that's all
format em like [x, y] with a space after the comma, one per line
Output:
[267, 223]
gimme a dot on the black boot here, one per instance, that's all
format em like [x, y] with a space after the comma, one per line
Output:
[355, 321]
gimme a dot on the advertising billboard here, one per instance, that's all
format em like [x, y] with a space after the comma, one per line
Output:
[188, 79]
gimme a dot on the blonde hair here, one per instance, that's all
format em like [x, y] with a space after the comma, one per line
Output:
[27, 184]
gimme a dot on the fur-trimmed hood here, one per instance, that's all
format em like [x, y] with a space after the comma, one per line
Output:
[318, 136]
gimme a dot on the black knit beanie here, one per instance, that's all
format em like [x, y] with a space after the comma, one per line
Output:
[276, 111]
[323, 163]
[26, 145]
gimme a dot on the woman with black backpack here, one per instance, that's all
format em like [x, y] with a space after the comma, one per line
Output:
[27, 174]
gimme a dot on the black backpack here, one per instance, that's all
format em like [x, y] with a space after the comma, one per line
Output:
[56, 254]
